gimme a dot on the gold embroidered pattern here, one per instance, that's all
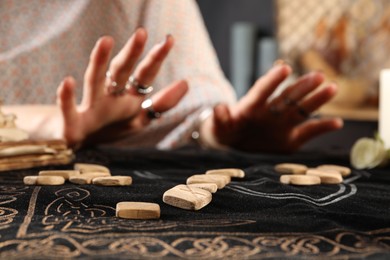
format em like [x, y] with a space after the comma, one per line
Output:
[72, 226]
[8, 195]
[214, 245]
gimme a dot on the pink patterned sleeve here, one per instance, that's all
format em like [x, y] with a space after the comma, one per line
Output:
[47, 42]
[194, 59]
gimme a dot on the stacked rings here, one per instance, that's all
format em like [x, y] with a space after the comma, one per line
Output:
[141, 89]
[288, 102]
[113, 88]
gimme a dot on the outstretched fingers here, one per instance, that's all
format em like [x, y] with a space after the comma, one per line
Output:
[163, 101]
[147, 70]
[169, 97]
[296, 92]
[222, 123]
[319, 98]
[124, 76]
[125, 61]
[95, 75]
[222, 118]
[66, 100]
[301, 110]
[314, 127]
[263, 88]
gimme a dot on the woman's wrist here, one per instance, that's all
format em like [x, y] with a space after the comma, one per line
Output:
[203, 134]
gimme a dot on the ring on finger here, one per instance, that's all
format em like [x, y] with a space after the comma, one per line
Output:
[150, 112]
[113, 88]
[289, 102]
[302, 111]
[274, 110]
[141, 89]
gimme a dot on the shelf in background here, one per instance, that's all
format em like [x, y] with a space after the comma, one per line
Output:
[358, 114]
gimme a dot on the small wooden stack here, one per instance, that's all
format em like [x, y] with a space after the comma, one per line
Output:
[18, 152]
[8, 130]
[197, 192]
[28, 154]
[300, 174]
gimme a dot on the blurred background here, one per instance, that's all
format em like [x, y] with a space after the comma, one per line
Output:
[222, 16]
[346, 40]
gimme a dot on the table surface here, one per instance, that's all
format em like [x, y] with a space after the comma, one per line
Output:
[256, 217]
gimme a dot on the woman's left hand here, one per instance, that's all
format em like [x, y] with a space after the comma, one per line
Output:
[262, 123]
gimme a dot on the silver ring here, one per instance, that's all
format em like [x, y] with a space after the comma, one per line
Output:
[141, 89]
[150, 112]
[113, 87]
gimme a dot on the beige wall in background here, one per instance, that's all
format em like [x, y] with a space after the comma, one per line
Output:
[348, 40]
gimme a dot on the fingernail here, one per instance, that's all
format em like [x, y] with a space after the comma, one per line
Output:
[279, 62]
[139, 28]
[165, 40]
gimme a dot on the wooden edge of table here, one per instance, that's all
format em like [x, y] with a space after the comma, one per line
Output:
[63, 156]
[57, 144]
[349, 113]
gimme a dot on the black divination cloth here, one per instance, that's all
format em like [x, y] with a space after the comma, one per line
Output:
[255, 217]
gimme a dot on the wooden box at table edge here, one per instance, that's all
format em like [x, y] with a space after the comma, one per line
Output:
[35, 161]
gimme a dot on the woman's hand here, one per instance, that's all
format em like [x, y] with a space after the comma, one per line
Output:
[111, 106]
[280, 124]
